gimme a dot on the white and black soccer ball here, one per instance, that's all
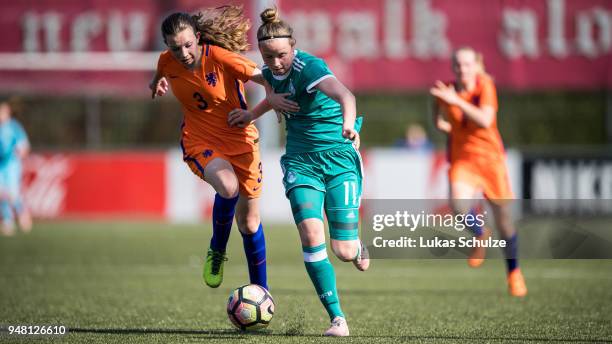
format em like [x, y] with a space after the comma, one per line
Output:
[250, 307]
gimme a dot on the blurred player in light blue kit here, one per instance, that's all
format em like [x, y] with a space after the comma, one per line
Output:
[14, 146]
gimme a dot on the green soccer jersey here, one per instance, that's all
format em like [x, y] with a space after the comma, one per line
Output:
[318, 124]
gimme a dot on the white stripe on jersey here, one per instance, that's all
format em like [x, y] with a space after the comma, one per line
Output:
[296, 59]
[316, 82]
[361, 170]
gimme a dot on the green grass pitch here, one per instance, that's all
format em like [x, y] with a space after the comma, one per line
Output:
[134, 282]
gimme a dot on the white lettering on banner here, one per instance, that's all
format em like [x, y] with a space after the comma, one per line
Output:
[557, 44]
[357, 35]
[519, 35]
[136, 27]
[429, 30]
[395, 22]
[561, 182]
[543, 184]
[586, 179]
[30, 26]
[124, 32]
[85, 28]
[51, 23]
[394, 29]
[591, 23]
[53, 26]
[312, 30]
[519, 32]
[357, 32]
[46, 191]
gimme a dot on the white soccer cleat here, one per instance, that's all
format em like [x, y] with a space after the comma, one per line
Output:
[338, 328]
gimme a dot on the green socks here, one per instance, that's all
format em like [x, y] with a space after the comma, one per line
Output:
[323, 277]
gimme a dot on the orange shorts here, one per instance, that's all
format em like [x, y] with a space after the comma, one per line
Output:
[490, 177]
[247, 167]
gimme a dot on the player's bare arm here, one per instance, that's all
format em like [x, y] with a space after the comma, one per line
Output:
[241, 117]
[482, 116]
[338, 92]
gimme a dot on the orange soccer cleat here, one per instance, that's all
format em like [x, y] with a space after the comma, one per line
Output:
[477, 256]
[516, 283]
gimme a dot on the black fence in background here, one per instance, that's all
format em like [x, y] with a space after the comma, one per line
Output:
[525, 119]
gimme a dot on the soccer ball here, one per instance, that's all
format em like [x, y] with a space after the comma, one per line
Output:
[250, 307]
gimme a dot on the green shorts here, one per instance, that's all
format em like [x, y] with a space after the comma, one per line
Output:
[328, 180]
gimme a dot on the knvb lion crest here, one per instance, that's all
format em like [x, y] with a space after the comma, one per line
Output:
[211, 79]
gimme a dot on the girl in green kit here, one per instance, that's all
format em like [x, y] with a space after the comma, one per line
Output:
[322, 166]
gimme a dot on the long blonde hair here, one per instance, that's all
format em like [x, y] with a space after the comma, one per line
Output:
[273, 27]
[224, 26]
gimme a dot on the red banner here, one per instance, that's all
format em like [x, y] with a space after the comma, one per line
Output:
[370, 45]
[99, 185]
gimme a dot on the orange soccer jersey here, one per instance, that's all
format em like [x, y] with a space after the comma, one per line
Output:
[207, 95]
[477, 154]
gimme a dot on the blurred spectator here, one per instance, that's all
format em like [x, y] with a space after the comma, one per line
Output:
[14, 146]
[415, 138]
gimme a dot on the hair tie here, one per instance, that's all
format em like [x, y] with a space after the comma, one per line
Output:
[265, 38]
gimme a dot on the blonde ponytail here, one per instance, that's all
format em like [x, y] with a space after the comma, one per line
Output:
[273, 27]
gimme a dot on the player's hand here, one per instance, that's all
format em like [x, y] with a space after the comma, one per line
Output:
[239, 118]
[445, 93]
[353, 135]
[279, 102]
[443, 125]
[160, 88]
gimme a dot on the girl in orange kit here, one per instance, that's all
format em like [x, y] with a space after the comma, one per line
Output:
[207, 74]
[467, 110]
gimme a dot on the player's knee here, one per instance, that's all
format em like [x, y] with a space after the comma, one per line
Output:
[248, 224]
[312, 232]
[228, 188]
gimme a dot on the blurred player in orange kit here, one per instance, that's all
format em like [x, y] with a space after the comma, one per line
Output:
[206, 72]
[466, 110]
